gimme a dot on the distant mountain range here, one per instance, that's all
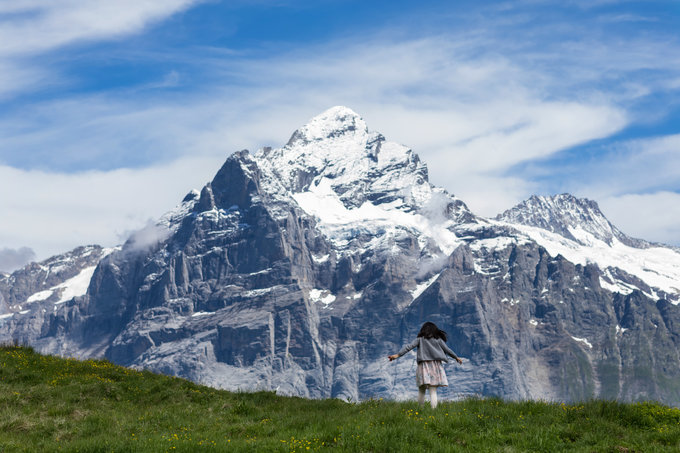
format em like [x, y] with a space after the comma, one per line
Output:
[299, 269]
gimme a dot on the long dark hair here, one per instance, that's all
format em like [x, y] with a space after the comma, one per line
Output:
[430, 330]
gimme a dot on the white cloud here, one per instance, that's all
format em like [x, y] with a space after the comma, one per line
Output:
[36, 26]
[105, 132]
[145, 238]
[11, 259]
[56, 212]
[32, 27]
[529, 129]
[654, 216]
[469, 105]
[635, 166]
[469, 118]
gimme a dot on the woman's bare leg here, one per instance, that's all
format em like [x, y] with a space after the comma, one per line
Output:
[421, 394]
[433, 397]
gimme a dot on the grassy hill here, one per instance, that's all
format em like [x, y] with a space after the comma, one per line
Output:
[54, 404]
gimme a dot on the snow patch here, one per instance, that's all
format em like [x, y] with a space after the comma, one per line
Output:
[202, 313]
[488, 270]
[40, 295]
[263, 271]
[510, 301]
[257, 292]
[582, 340]
[321, 295]
[320, 259]
[341, 224]
[73, 287]
[76, 286]
[497, 243]
[173, 219]
[617, 286]
[419, 289]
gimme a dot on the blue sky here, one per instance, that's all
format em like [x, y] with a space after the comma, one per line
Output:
[111, 111]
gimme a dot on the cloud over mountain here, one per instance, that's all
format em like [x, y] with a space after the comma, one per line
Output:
[11, 259]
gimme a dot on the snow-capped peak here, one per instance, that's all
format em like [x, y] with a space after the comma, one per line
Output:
[577, 219]
[335, 144]
[360, 165]
[350, 178]
[334, 122]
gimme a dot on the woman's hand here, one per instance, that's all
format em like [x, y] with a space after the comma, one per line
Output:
[459, 361]
[392, 357]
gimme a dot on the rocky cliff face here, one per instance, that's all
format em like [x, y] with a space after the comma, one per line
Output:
[300, 269]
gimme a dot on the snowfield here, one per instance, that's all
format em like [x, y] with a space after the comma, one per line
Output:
[659, 267]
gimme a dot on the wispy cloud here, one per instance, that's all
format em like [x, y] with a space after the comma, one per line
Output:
[627, 18]
[31, 26]
[471, 115]
[636, 166]
[652, 216]
[56, 212]
[20, 78]
[473, 104]
[146, 238]
[637, 183]
[481, 112]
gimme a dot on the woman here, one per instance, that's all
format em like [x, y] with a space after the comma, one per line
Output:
[432, 350]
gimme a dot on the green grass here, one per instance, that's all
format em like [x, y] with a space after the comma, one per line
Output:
[53, 404]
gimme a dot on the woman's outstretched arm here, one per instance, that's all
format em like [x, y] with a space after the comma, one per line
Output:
[404, 350]
[449, 352]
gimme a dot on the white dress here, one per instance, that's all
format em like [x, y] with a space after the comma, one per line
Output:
[431, 372]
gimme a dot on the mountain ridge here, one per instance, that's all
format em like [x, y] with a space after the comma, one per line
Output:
[302, 275]
[561, 212]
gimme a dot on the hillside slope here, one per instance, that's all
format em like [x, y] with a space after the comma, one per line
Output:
[53, 404]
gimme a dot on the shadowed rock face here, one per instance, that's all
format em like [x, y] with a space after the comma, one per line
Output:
[280, 274]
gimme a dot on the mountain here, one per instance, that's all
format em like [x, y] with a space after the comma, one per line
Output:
[55, 280]
[579, 220]
[299, 269]
[577, 229]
